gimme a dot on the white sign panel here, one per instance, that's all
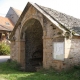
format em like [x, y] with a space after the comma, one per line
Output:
[58, 50]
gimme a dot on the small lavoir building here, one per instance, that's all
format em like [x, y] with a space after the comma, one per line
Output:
[45, 37]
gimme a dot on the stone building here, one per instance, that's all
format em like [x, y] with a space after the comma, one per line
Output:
[45, 37]
[13, 14]
[6, 26]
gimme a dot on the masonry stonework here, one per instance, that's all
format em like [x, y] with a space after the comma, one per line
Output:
[72, 52]
[51, 34]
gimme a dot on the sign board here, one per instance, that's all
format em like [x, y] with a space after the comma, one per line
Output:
[58, 50]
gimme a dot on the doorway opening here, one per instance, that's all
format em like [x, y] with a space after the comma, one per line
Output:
[33, 46]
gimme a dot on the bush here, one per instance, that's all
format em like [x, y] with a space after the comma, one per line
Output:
[4, 49]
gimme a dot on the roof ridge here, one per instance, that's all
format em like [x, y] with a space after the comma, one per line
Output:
[67, 22]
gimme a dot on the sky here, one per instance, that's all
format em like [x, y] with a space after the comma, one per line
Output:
[70, 7]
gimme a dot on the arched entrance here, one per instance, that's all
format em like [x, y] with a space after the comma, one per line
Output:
[33, 45]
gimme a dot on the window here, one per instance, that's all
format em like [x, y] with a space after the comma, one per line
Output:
[58, 50]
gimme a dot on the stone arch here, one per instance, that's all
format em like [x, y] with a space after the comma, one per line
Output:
[31, 46]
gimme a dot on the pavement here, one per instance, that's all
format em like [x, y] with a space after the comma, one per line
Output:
[4, 58]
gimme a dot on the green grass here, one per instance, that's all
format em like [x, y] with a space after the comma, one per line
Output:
[11, 73]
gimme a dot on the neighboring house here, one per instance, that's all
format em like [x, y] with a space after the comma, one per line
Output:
[6, 27]
[13, 14]
[45, 37]
[7, 23]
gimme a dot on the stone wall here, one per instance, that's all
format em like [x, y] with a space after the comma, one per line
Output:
[14, 50]
[72, 52]
[22, 53]
[15, 46]
[71, 48]
[51, 34]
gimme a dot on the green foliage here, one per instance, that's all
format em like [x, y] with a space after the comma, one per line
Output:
[4, 49]
[9, 72]
[13, 65]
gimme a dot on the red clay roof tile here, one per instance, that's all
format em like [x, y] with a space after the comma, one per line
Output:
[6, 24]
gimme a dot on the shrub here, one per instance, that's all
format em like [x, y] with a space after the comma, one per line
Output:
[4, 49]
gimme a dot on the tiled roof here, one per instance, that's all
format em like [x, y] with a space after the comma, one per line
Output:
[18, 12]
[67, 21]
[6, 24]
[3, 28]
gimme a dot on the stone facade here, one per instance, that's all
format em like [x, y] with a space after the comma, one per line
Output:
[51, 34]
[72, 52]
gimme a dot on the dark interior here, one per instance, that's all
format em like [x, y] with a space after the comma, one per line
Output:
[33, 46]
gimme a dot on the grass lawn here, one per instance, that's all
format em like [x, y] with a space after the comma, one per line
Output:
[9, 72]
